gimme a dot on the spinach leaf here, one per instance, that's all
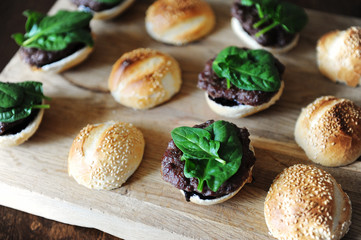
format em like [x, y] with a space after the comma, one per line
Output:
[53, 33]
[10, 95]
[248, 69]
[196, 143]
[210, 171]
[18, 99]
[291, 17]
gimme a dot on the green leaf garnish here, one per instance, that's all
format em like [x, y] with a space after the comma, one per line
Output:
[248, 69]
[54, 33]
[18, 99]
[202, 158]
[291, 17]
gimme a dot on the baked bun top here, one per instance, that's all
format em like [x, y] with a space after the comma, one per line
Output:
[144, 78]
[305, 202]
[329, 131]
[104, 156]
[179, 21]
[339, 56]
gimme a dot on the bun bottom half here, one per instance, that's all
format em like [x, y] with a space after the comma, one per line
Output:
[67, 62]
[197, 200]
[243, 35]
[112, 12]
[10, 140]
[206, 202]
[240, 111]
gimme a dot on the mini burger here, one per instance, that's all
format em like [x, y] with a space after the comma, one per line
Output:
[270, 24]
[240, 82]
[209, 162]
[103, 9]
[55, 43]
[21, 111]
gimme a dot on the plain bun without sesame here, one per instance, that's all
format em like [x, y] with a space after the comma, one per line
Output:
[179, 22]
[144, 78]
[104, 156]
[339, 56]
[329, 131]
[10, 140]
[305, 202]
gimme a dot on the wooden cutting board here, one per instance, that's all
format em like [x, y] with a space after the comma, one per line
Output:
[34, 179]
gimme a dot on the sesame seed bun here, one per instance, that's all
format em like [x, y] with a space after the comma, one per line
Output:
[179, 22]
[329, 131]
[250, 42]
[240, 111]
[104, 156]
[111, 12]
[305, 202]
[67, 62]
[10, 140]
[144, 78]
[339, 56]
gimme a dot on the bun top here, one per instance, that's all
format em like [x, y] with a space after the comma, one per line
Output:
[104, 156]
[305, 202]
[339, 55]
[179, 21]
[329, 130]
[144, 78]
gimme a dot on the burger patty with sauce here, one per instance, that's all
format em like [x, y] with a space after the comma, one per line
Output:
[173, 169]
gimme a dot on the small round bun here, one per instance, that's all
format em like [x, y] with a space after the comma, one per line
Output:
[339, 56]
[104, 156]
[10, 140]
[250, 42]
[111, 12]
[179, 22]
[329, 131]
[67, 62]
[144, 78]
[305, 202]
[240, 111]
[197, 200]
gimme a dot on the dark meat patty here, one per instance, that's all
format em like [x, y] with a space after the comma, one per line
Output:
[216, 88]
[247, 16]
[37, 57]
[17, 126]
[95, 5]
[173, 168]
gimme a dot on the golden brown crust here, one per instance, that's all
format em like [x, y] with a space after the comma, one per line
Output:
[179, 21]
[104, 156]
[144, 78]
[339, 56]
[305, 202]
[329, 131]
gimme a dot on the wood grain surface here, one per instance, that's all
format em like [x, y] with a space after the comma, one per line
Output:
[33, 176]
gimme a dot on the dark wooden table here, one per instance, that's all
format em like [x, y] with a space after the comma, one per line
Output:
[15, 224]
